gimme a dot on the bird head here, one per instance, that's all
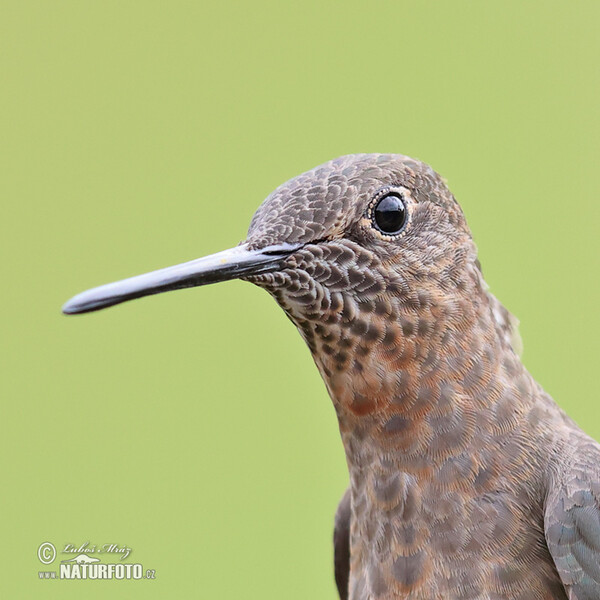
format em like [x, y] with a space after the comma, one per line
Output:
[361, 225]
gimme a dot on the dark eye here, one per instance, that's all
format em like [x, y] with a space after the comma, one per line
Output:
[389, 214]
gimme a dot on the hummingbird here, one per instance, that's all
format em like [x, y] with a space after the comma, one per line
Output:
[467, 481]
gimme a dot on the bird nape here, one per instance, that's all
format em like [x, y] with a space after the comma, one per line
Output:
[466, 479]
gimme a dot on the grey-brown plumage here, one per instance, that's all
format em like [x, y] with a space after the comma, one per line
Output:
[466, 479]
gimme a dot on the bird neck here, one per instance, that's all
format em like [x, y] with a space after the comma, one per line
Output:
[416, 380]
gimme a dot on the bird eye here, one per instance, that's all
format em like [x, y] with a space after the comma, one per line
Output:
[389, 214]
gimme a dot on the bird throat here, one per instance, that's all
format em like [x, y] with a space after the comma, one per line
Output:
[410, 378]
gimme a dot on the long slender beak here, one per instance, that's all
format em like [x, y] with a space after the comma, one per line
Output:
[229, 264]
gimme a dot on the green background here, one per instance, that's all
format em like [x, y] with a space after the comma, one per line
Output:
[193, 426]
